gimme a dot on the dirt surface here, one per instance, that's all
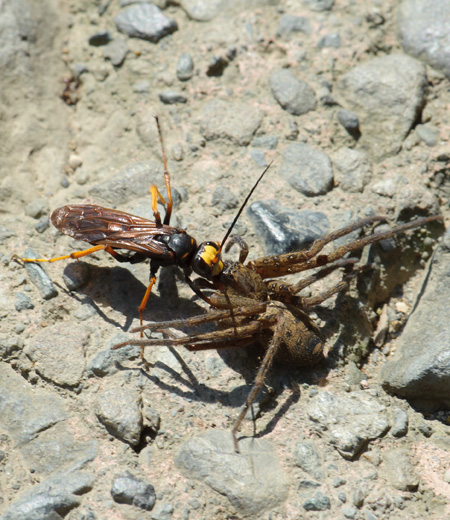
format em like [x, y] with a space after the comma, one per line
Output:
[77, 126]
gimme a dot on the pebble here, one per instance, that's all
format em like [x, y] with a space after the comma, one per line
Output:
[289, 24]
[201, 10]
[281, 230]
[387, 93]
[128, 489]
[171, 97]
[308, 459]
[349, 421]
[429, 134]
[330, 40]
[42, 224]
[100, 38]
[399, 471]
[292, 94]
[423, 31]
[185, 67]
[75, 275]
[234, 121]
[116, 51]
[353, 170]
[119, 410]
[39, 277]
[75, 161]
[349, 120]
[37, 208]
[319, 5]
[145, 21]
[50, 348]
[253, 481]
[163, 512]
[307, 169]
[22, 302]
[319, 502]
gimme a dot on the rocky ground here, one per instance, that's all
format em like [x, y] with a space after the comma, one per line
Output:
[350, 100]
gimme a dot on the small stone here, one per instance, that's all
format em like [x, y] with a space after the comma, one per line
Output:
[75, 161]
[145, 21]
[319, 502]
[319, 5]
[116, 51]
[100, 38]
[171, 97]
[185, 67]
[293, 24]
[22, 302]
[216, 66]
[36, 208]
[330, 40]
[429, 134]
[399, 471]
[293, 94]
[127, 489]
[399, 426]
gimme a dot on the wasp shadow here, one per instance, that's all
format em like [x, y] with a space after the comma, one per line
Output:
[117, 288]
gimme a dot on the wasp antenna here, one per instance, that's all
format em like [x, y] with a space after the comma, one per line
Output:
[241, 209]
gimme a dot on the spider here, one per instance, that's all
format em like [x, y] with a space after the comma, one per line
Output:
[250, 307]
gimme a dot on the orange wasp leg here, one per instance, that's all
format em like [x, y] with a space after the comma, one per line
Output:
[75, 255]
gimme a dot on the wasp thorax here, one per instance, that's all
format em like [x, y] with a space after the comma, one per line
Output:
[183, 246]
[207, 262]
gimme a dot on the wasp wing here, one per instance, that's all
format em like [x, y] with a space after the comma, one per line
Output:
[120, 230]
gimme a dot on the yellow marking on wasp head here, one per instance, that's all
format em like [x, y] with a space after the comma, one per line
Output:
[211, 257]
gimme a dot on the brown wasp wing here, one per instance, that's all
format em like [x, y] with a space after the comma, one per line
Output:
[120, 230]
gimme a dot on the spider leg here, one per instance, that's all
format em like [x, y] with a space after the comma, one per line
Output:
[243, 247]
[260, 378]
[196, 340]
[279, 265]
[216, 315]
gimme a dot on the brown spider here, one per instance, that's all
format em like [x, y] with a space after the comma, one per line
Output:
[251, 308]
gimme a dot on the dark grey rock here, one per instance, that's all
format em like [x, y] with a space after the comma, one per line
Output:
[353, 170]
[399, 421]
[216, 66]
[281, 230]
[308, 459]
[319, 5]
[127, 489]
[119, 410]
[39, 277]
[388, 94]
[319, 502]
[293, 24]
[399, 471]
[51, 499]
[253, 480]
[129, 183]
[330, 40]
[307, 169]
[234, 121]
[293, 94]
[349, 120]
[423, 31]
[22, 302]
[171, 97]
[420, 369]
[25, 411]
[76, 274]
[37, 208]
[145, 21]
[42, 224]
[201, 10]
[185, 67]
[99, 39]
[349, 421]
[116, 51]
[429, 134]
[50, 348]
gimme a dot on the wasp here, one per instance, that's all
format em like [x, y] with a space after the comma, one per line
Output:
[112, 230]
[252, 307]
